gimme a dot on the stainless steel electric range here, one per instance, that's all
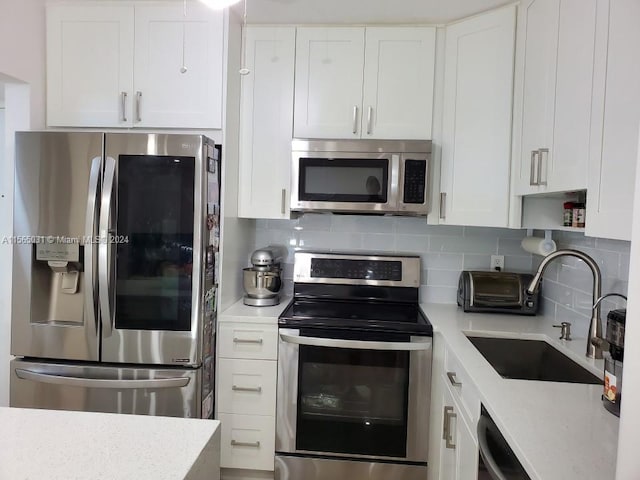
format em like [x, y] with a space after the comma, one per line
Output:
[354, 370]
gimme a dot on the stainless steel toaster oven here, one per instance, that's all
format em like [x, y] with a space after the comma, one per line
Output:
[498, 292]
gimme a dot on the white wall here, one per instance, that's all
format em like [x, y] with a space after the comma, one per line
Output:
[628, 459]
[22, 50]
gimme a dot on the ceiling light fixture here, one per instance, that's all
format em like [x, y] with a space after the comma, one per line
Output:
[219, 4]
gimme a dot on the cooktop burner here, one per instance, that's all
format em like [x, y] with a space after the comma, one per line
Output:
[387, 317]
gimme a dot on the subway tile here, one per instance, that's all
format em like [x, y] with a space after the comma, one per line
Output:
[445, 230]
[412, 243]
[362, 224]
[378, 242]
[314, 240]
[494, 232]
[444, 261]
[314, 221]
[623, 270]
[574, 240]
[558, 293]
[282, 224]
[510, 246]
[441, 278]
[412, 226]
[619, 246]
[438, 294]
[476, 262]
[262, 224]
[461, 244]
[514, 263]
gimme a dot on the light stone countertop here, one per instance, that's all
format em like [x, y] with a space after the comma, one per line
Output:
[241, 312]
[52, 445]
[557, 430]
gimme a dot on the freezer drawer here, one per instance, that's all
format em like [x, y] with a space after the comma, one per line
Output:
[110, 389]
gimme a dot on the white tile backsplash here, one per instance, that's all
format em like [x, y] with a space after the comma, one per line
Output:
[446, 250]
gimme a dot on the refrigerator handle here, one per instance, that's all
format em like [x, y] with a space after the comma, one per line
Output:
[105, 288]
[118, 384]
[89, 242]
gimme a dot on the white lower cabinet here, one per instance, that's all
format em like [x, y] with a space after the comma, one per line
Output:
[246, 393]
[455, 408]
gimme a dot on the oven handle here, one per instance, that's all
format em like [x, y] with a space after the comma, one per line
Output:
[357, 344]
[485, 453]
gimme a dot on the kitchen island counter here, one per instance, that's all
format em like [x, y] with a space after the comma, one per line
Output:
[68, 445]
[557, 430]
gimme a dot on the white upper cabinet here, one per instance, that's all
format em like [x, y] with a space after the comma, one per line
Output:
[476, 131]
[612, 174]
[555, 94]
[89, 65]
[178, 60]
[121, 65]
[374, 82]
[398, 83]
[266, 123]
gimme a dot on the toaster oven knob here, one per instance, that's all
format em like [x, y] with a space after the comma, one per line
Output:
[529, 303]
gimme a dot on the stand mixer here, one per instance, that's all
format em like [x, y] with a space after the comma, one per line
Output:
[262, 281]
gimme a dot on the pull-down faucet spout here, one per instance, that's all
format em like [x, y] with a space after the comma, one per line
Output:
[595, 326]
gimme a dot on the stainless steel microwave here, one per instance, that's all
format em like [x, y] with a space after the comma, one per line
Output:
[361, 176]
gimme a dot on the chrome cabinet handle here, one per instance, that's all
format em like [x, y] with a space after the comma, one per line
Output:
[355, 119]
[446, 427]
[138, 106]
[236, 388]
[123, 102]
[283, 201]
[545, 152]
[452, 378]
[532, 175]
[443, 205]
[247, 340]
[235, 443]
[369, 117]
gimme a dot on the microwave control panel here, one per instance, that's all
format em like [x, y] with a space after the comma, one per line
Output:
[415, 176]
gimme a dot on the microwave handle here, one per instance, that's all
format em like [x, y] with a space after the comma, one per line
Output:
[485, 453]
[355, 344]
[397, 172]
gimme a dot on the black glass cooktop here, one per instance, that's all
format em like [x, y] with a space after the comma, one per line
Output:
[356, 315]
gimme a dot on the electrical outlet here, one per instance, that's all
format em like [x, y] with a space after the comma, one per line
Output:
[497, 262]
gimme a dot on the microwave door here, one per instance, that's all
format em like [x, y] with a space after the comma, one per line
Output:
[152, 223]
[57, 183]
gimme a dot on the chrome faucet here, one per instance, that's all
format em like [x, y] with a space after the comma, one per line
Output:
[595, 326]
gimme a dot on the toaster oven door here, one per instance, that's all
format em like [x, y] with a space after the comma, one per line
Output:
[495, 290]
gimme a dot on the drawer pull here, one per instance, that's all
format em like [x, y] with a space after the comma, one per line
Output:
[446, 428]
[246, 389]
[235, 443]
[247, 340]
[452, 378]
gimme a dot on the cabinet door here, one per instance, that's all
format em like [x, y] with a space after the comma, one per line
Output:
[398, 83]
[178, 66]
[448, 443]
[476, 135]
[266, 123]
[89, 66]
[535, 88]
[466, 451]
[565, 168]
[328, 86]
[612, 175]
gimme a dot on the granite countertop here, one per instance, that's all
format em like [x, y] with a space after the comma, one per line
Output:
[557, 430]
[65, 445]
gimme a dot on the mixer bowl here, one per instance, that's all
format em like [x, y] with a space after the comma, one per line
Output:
[260, 284]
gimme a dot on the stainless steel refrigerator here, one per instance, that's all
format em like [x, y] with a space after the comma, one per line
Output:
[114, 272]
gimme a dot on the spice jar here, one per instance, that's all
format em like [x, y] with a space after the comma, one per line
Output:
[578, 215]
[567, 217]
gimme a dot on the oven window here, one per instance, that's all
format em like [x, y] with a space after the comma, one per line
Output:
[343, 180]
[352, 401]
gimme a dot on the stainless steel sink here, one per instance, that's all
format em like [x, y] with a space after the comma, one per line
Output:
[531, 360]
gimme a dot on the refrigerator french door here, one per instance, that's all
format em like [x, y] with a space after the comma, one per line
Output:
[114, 264]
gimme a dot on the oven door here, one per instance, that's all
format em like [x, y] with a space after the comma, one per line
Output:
[345, 181]
[353, 394]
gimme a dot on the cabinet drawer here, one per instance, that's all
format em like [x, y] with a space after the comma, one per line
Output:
[247, 386]
[246, 340]
[462, 388]
[247, 441]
